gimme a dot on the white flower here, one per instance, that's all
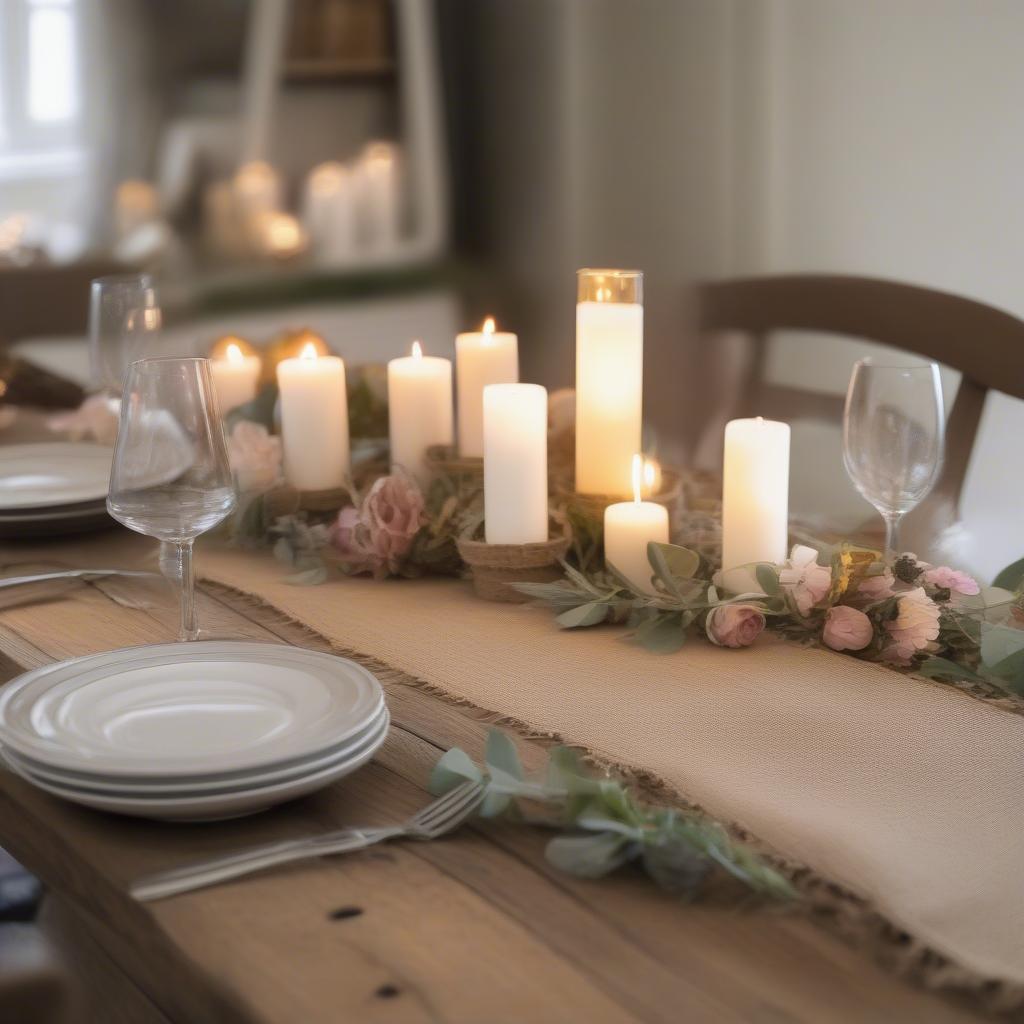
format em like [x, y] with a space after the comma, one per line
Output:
[915, 626]
[807, 581]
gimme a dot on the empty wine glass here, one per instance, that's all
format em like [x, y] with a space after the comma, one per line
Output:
[170, 478]
[893, 431]
[124, 321]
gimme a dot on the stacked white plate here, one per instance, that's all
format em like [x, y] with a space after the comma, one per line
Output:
[53, 488]
[192, 732]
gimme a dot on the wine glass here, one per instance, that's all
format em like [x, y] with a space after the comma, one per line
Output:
[170, 477]
[893, 434]
[124, 319]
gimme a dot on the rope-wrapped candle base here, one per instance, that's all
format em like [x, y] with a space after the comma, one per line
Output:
[592, 506]
[495, 566]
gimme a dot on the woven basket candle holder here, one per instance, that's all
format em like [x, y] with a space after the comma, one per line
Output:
[496, 566]
[444, 460]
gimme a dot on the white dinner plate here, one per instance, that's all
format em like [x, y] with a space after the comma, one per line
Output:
[214, 783]
[187, 709]
[211, 807]
[53, 474]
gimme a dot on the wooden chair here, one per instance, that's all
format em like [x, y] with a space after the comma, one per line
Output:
[985, 344]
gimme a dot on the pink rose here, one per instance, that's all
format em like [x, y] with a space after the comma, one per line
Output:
[875, 588]
[377, 536]
[255, 457]
[847, 629]
[915, 626]
[734, 625]
[807, 581]
[953, 580]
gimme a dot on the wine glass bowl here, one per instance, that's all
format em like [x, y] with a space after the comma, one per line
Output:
[124, 321]
[170, 477]
[893, 437]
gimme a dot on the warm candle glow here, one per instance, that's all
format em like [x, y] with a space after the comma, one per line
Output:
[234, 354]
[489, 325]
[652, 476]
[308, 351]
[638, 475]
[417, 350]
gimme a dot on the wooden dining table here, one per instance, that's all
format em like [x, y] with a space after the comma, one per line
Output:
[474, 927]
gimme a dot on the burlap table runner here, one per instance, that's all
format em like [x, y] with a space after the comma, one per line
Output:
[907, 793]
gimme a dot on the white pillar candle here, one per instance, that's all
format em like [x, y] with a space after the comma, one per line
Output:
[515, 428]
[235, 377]
[328, 212]
[379, 192]
[257, 187]
[482, 357]
[314, 420]
[755, 498]
[629, 526]
[419, 409]
[609, 379]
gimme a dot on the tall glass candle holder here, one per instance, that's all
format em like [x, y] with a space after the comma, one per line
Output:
[609, 378]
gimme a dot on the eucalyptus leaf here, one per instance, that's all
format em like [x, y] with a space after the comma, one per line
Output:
[676, 866]
[663, 634]
[590, 614]
[308, 577]
[671, 562]
[592, 856]
[944, 669]
[454, 768]
[998, 643]
[1011, 577]
[501, 753]
[768, 578]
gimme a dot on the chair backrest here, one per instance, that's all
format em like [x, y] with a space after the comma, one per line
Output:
[985, 344]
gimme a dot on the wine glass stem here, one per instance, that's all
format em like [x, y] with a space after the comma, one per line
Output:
[892, 536]
[181, 563]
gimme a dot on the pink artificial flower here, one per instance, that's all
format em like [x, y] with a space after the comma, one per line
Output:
[876, 588]
[734, 625]
[807, 581]
[96, 419]
[847, 629]
[915, 626]
[255, 457]
[377, 536]
[953, 580]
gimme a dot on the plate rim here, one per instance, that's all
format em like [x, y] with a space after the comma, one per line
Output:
[52, 753]
[78, 448]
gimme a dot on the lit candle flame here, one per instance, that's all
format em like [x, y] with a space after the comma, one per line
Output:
[417, 350]
[638, 475]
[308, 351]
[234, 354]
[488, 327]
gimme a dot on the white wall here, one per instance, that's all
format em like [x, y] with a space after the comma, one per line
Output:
[896, 149]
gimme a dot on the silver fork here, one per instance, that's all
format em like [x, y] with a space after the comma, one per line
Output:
[437, 818]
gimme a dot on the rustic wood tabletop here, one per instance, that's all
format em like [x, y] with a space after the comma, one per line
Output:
[476, 927]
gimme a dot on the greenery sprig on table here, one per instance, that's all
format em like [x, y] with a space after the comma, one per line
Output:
[603, 826]
[912, 616]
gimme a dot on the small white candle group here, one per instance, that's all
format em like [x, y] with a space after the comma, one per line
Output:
[482, 358]
[755, 499]
[629, 526]
[515, 426]
[235, 377]
[314, 420]
[419, 409]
